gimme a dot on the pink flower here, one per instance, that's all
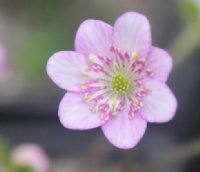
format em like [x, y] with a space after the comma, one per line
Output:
[31, 155]
[115, 79]
[4, 69]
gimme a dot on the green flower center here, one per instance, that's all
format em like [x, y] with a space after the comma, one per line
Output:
[120, 84]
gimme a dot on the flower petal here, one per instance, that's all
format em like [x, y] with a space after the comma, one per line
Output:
[132, 33]
[4, 67]
[161, 64]
[74, 113]
[160, 105]
[94, 37]
[64, 68]
[2, 54]
[123, 132]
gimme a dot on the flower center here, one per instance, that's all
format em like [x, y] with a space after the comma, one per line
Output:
[115, 84]
[120, 84]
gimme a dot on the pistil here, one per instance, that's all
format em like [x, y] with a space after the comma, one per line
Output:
[120, 84]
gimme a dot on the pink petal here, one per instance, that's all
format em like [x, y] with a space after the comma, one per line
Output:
[160, 105]
[2, 54]
[65, 67]
[93, 37]
[74, 113]
[161, 64]
[132, 33]
[123, 132]
[5, 70]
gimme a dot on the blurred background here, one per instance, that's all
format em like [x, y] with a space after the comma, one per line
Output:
[32, 30]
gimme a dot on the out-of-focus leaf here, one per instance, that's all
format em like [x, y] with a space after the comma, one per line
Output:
[22, 169]
[40, 45]
[4, 152]
[190, 10]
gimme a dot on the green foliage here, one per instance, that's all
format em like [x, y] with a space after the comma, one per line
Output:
[190, 10]
[4, 152]
[22, 169]
[45, 34]
[6, 162]
[40, 45]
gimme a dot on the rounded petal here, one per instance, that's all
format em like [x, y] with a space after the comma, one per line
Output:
[74, 113]
[5, 70]
[132, 33]
[161, 64]
[94, 37]
[160, 105]
[123, 132]
[65, 67]
[2, 54]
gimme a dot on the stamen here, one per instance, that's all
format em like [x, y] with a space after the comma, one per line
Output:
[135, 56]
[115, 83]
[85, 73]
[150, 72]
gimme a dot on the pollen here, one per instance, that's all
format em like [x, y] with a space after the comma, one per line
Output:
[120, 84]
